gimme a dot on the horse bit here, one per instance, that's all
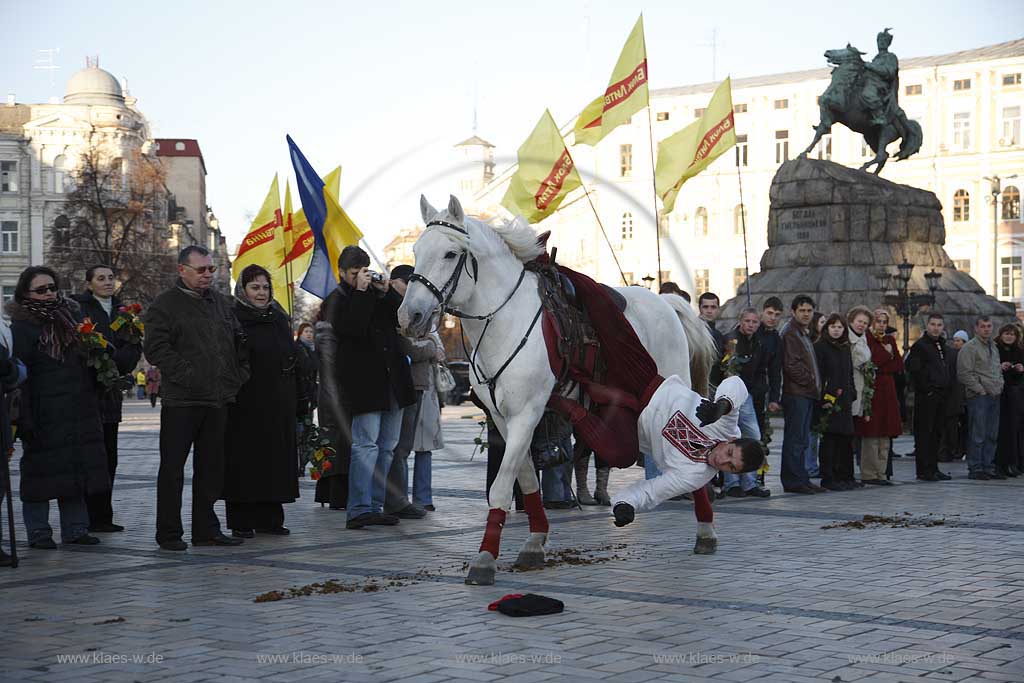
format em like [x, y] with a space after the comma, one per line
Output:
[444, 296]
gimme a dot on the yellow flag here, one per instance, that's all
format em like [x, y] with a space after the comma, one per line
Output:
[264, 244]
[688, 152]
[546, 173]
[299, 238]
[626, 94]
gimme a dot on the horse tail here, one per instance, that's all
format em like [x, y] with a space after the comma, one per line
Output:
[912, 138]
[703, 351]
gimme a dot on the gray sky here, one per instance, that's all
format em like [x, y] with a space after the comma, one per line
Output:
[386, 88]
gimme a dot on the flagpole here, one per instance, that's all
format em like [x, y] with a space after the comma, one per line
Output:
[743, 224]
[654, 189]
[601, 225]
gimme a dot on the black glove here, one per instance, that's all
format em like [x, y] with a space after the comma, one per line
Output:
[624, 514]
[708, 412]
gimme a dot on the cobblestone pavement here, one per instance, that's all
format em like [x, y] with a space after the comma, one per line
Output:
[784, 599]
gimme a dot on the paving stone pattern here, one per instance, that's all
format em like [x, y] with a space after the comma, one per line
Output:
[783, 600]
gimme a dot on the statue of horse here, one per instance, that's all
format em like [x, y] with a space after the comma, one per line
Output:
[477, 269]
[843, 102]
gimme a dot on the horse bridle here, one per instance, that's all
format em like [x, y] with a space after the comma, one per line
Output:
[444, 297]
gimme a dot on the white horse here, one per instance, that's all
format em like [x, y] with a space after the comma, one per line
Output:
[476, 269]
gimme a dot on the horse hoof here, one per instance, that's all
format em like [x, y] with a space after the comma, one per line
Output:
[705, 546]
[530, 559]
[482, 570]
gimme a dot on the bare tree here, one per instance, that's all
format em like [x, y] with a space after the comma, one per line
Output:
[116, 215]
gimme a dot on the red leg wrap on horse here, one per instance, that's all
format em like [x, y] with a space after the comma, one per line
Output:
[492, 535]
[702, 505]
[535, 512]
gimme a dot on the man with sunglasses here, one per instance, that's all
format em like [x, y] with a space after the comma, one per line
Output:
[193, 337]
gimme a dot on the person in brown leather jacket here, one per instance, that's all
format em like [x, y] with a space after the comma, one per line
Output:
[801, 388]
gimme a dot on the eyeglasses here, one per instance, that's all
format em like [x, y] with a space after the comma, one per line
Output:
[201, 269]
[44, 289]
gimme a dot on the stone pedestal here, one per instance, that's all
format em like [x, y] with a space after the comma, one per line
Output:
[832, 228]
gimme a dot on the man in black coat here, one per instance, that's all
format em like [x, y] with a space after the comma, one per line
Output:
[929, 373]
[373, 373]
[193, 337]
[101, 306]
[709, 307]
[767, 389]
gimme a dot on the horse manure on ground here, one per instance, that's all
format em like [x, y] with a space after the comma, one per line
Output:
[370, 585]
[577, 556]
[877, 521]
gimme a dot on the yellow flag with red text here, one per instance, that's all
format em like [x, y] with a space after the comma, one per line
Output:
[298, 235]
[688, 152]
[626, 94]
[264, 245]
[545, 175]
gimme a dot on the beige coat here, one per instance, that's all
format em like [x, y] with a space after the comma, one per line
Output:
[977, 368]
[861, 355]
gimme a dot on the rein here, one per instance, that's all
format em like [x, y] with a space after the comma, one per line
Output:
[444, 297]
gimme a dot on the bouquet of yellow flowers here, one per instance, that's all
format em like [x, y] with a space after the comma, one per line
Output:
[829, 407]
[127, 325]
[320, 453]
[96, 349]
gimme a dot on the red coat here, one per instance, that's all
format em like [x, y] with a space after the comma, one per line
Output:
[885, 409]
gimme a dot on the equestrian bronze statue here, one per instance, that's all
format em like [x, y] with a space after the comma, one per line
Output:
[863, 96]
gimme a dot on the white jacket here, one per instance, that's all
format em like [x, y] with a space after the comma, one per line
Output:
[861, 354]
[670, 432]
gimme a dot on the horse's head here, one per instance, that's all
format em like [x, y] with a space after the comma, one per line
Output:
[847, 55]
[446, 270]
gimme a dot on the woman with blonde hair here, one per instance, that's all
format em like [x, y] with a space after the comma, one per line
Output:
[880, 420]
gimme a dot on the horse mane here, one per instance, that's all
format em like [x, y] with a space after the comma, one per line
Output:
[515, 234]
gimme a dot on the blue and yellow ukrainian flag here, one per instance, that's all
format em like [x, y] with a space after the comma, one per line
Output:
[332, 229]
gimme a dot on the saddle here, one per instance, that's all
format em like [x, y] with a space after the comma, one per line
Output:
[584, 326]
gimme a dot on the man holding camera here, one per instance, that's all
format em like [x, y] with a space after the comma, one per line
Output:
[373, 374]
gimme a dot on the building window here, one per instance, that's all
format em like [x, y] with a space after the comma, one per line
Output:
[1011, 126]
[8, 176]
[963, 265]
[700, 219]
[179, 146]
[961, 206]
[666, 275]
[59, 175]
[781, 146]
[701, 281]
[6, 293]
[61, 231]
[739, 275]
[628, 277]
[662, 116]
[699, 112]
[825, 147]
[625, 160]
[1011, 79]
[962, 84]
[1010, 277]
[739, 108]
[782, 104]
[9, 237]
[865, 149]
[1011, 203]
[739, 218]
[741, 150]
[627, 226]
[912, 89]
[962, 131]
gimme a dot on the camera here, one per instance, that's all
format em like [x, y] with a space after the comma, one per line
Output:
[375, 276]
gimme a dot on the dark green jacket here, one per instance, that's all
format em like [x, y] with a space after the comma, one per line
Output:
[198, 345]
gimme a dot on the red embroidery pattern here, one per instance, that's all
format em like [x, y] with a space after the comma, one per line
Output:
[687, 439]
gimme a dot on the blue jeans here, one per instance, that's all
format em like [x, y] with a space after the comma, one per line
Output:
[748, 430]
[795, 440]
[374, 437]
[422, 493]
[811, 457]
[983, 424]
[554, 483]
[74, 519]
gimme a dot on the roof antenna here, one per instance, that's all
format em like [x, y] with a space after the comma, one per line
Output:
[47, 62]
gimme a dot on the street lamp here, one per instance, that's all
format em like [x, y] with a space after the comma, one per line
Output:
[648, 280]
[996, 189]
[906, 303]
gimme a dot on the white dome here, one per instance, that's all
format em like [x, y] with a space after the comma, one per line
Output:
[93, 85]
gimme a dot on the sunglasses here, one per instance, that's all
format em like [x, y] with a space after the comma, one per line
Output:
[201, 269]
[44, 289]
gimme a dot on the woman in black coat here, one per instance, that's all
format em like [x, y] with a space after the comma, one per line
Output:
[59, 423]
[835, 367]
[307, 366]
[100, 305]
[1011, 401]
[261, 468]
